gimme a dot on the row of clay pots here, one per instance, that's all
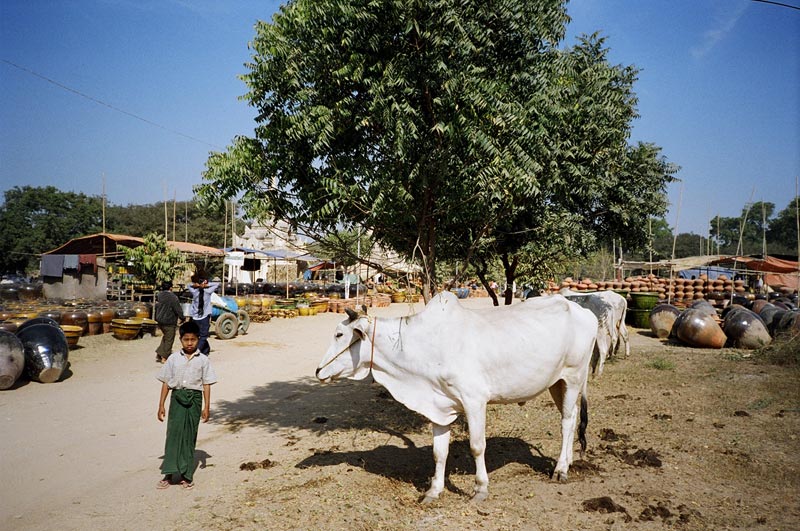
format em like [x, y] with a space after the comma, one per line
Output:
[93, 320]
[740, 327]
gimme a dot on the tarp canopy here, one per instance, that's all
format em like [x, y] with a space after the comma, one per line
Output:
[769, 264]
[283, 254]
[94, 244]
[712, 272]
[777, 272]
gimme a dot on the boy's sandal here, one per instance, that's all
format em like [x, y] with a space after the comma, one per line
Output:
[163, 484]
[188, 485]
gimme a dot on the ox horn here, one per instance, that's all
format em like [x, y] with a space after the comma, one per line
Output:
[351, 314]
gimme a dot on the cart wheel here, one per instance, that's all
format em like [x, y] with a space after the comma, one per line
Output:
[244, 321]
[227, 326]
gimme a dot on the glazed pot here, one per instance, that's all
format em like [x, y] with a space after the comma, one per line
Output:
[126, 329]
[638, 317]
[698, 329]
[12, 359]
[149, 326]
[36, 321]
[745, 329]
[95, 322]
[55, 315]
[106, 316]
[124, 313]
[76, 318]
[29, 292]
[705, 307]
[786, 323]
[9, 293]
[46, 352]
[644, 300]
[662, 317]
[142, 310]
[73, 334]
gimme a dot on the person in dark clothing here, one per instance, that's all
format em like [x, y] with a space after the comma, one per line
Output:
[168, 315]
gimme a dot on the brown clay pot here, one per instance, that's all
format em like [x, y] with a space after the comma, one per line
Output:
[699, 329]
[55, 315]
[106, 316]
[76, 318]
[662, 317]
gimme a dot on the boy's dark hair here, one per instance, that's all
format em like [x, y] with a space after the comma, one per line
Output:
[166, 285]
[189, 327]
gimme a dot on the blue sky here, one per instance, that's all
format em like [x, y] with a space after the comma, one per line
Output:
[719, 91]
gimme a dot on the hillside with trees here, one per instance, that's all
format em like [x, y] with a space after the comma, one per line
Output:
[34, 220]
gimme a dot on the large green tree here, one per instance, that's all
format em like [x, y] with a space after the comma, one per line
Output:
[593, 187]
[34, 220]
[430, 123]
[782, 232]
[743, 234]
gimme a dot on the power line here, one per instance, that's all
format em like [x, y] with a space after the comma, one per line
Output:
[112, 107]
[779, 4]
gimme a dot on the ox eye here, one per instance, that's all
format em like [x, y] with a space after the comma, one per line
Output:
[338, 335]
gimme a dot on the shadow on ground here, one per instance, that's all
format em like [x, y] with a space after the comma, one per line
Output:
[414, 465]
[309, 405]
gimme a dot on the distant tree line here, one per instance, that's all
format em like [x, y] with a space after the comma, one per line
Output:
[757, 227]
[34, 220]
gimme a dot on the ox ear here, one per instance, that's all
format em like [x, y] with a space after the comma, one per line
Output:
[351, 314]
[364, 309]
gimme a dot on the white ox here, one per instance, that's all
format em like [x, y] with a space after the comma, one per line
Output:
[448, 360]
[619, 305]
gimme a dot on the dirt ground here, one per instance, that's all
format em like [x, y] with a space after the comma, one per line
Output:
[679, 438]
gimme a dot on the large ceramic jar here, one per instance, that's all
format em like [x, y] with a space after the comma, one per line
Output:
[95, 321]
[142, 310]
[52, 313]
[106, 315]
[124, 313]
[29, 292]
[76, 318]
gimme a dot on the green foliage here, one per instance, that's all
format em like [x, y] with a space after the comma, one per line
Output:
[750, 227]
[782, 232]
[400, 117]
[185, 221]
[37, 220]
[154, 262]
[661, 364]
[343, 247]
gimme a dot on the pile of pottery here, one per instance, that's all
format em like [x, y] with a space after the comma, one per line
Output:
[679, 291]
[77, 317]
[750, 325]
[38, 347]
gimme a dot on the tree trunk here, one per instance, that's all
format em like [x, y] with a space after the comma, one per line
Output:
[481, 269]
[510, 268]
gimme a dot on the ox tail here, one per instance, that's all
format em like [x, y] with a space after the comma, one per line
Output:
[584, 421]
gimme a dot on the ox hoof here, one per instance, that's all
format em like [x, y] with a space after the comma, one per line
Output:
[427, 499]
[561, 477]
[480, 496]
